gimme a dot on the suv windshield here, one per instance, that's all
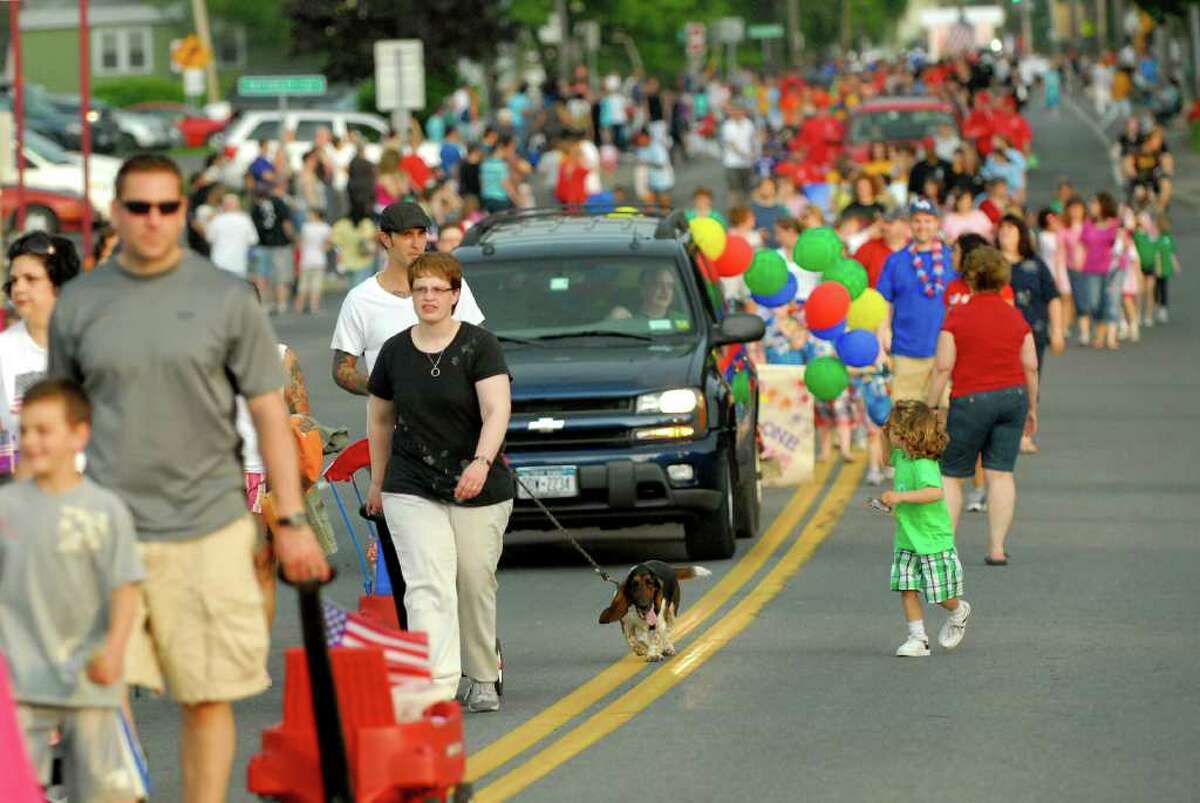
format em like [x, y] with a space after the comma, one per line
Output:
[554, 298]
[897, 124]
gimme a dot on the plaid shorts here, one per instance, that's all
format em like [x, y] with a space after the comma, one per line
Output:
[938, 577]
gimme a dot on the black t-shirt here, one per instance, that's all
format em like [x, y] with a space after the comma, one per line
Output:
[923, 171]
[864, 212]
[468, 178]
[1033, 289]
[654, 107]
[437, 418]
[269, 215]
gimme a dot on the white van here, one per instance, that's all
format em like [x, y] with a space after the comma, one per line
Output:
[241, 139]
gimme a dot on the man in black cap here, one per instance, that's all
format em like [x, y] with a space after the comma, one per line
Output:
[382, 306]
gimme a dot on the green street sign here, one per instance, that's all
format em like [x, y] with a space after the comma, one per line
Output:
[259, 86]
[771, 31]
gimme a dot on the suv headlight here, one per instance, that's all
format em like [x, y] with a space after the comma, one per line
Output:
[679, 401]
[685, 404]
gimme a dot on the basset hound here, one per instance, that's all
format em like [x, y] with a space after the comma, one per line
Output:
[646, 605]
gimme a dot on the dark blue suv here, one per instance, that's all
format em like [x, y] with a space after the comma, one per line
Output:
[622, 412]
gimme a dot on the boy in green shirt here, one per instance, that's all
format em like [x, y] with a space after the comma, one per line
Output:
[924, 558]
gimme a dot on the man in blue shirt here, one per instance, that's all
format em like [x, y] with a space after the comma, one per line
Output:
[914, 281]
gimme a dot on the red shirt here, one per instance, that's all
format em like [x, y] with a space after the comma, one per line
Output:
[871, 255]
[1013, 127]
[992, 210]
[988, 335]
[980, 126]
[571, 188]
[418, 172]
[958, 292]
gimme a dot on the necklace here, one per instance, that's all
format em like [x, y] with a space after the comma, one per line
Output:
[435, 372]
[932, 286]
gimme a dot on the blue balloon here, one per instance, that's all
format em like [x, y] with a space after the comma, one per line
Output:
[832, 333]
[784, 296]
[858, 348]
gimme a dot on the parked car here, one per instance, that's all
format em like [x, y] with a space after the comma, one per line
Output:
[194, 125]
[45, 210]
[622, 414]
[43, 118]
[106, 133]
[147, 131]
[241, 139]
[896, 121]
[49, 167]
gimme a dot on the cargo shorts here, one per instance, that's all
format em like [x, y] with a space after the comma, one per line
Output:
[200, 631]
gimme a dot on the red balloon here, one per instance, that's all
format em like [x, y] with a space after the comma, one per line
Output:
[736, 257]
[827, 306]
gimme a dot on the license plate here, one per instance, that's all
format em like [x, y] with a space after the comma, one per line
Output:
[548, 482]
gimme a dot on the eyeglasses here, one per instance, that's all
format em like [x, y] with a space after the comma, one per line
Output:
[143, 207]
[432, 291]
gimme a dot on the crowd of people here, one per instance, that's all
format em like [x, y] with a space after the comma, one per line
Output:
[150, 353]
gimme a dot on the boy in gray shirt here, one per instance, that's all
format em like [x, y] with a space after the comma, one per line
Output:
[69, 574]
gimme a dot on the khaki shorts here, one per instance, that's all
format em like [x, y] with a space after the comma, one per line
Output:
[200, 625]
[911, 377]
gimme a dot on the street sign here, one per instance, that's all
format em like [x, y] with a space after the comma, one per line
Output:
[770, 31]
[281, 86]
[399, 74]
[695, 38]
[730, 30]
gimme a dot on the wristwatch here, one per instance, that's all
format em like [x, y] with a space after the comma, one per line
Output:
[294, 520]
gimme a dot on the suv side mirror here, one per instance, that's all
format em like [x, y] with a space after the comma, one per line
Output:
[740, 327]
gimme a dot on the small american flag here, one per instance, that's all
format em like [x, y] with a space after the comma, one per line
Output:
[405, 654]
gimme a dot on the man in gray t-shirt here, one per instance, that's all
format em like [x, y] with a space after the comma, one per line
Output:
[163, 342]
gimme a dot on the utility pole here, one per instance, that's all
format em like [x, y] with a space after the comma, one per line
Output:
[1193, 21]
[1027, 26]
[1101, 25]
[564, 49]
[845, 28]
[793, 32]
[200, 15]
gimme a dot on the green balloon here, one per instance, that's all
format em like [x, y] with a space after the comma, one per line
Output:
[741, 387]
[849, 274]
[826, 378]
[768, 273]
[714, 295]
[818, 249]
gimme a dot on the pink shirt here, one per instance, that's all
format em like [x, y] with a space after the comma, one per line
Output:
[1070, 242]
[1098, 246]
[976, 221]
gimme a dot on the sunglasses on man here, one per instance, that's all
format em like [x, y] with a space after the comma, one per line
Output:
[143, 207]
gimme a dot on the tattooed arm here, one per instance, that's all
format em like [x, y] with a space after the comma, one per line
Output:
[295, 394]
[347, 375]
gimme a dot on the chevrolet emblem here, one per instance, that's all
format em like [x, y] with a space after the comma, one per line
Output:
[547, 425]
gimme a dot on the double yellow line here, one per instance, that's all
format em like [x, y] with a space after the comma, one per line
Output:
[690, 658]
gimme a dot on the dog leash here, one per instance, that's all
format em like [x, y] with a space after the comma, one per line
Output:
[596, 567]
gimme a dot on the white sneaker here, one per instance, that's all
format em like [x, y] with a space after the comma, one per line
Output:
[1135, 334]
[977, 501]
[952, 632]
[913, 648]
[874, 477]
[1161, 313]
[1083, 340]
[1147, 322]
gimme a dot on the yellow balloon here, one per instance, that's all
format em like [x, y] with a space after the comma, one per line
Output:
[868, 311]
[708, 235]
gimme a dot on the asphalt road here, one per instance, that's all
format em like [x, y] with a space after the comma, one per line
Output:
[1077, 679]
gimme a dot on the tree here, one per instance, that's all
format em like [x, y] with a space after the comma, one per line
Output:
[345, 31]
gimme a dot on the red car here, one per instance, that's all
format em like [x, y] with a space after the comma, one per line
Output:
[45, 210]
[195, 126]
[896, 121]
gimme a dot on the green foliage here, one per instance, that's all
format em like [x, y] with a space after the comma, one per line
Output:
[126, 91]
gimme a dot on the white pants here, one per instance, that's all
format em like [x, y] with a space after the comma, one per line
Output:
[448, 554]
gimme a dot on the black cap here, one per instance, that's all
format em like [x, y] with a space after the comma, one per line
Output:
[402, 216]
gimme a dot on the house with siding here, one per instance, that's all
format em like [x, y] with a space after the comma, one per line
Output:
[130, 39]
